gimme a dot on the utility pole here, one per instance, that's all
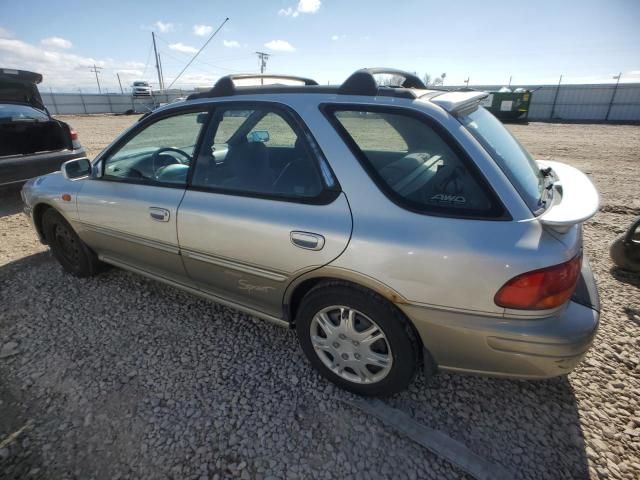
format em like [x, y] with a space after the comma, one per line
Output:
[510, 77]
[615, 90]
[466, 82]
[161, 71]
[96, 70]
[155, 51]
[120, 83]
[263, 63]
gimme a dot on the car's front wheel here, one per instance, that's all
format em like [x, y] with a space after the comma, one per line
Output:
[75, 257]
[357, 339]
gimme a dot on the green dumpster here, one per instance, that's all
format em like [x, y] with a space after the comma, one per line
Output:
[509, 106]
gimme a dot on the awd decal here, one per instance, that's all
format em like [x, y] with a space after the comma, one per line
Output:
[441, 197]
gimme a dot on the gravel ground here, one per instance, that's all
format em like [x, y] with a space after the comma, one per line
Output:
[122, 377]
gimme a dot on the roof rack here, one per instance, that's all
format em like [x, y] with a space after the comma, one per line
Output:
[362, 82]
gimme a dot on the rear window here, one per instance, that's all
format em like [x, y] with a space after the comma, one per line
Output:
[511, 157]
[21, 113]
[413, 164]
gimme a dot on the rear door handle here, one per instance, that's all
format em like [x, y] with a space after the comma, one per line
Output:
[159, 214]
[307, 240]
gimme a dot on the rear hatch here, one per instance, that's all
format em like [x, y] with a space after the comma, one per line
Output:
[25, 124]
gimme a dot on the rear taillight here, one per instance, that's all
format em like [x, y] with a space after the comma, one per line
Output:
[74, 134]
[541, 289]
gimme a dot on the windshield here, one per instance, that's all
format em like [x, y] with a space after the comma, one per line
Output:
[21, 113]
[510, 156]
[140, 84]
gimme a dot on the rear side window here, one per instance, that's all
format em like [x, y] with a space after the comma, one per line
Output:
[413, 164]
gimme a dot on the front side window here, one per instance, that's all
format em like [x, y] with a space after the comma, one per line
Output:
[159, 154]
[258, 151]
[413, 164]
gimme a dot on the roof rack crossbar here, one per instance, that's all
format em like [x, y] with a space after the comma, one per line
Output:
[225, 86]
[362, 82]
[251, 76]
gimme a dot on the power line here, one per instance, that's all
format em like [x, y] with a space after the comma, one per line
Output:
[198, 52]
[146, 64]
[96, 70]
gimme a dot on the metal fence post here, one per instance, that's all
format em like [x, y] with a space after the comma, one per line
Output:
[109, 101]
[615, 90]
[84, 107]
[53, 100]
[555, 99]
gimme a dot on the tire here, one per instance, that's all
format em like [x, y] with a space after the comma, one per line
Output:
[71, 252]
[397, 355]
[627, 257]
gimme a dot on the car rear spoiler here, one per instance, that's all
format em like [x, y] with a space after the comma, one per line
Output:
[459, 102]
[575, 198]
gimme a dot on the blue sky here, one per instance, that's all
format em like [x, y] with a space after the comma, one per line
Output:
[535, 41]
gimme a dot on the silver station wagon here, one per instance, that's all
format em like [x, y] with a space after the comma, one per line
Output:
[395, 228]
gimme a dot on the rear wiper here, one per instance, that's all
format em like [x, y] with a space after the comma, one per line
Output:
[546, 172]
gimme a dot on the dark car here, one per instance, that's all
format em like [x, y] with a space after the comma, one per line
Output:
[32, 143]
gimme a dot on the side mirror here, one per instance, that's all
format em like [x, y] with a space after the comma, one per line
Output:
[76, 168]
[258, 136]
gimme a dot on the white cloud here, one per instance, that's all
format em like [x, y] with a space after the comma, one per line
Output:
[202, 30]
[181, 47]
[66, 71]
[280, 46]
[56, 42]
[164, 27]
[4, 33]
[231, 43]
[304, 6]
[335, 37]
[288, 12]
[309, 6]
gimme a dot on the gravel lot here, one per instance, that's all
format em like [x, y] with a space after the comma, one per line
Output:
[122, 377]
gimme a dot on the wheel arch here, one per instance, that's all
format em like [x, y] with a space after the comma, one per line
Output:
[305, 283]
[38, 213]
[299, 287]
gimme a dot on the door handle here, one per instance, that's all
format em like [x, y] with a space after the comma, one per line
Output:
[159, 214]
[307, 240]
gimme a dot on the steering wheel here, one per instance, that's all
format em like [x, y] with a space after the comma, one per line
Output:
[156, 155]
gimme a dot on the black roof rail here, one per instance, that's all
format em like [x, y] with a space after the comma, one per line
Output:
[225, 87]
[362, 82]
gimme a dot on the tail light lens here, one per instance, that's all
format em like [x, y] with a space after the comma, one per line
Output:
[541, 289]
[74, 134]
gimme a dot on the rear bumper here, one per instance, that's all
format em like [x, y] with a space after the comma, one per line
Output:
[18, 169]
[507, 347]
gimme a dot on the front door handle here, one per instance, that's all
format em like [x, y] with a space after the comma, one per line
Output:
[307, 240]
[159, 214]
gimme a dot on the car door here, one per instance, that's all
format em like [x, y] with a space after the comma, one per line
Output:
[262, 207]
[128, 215]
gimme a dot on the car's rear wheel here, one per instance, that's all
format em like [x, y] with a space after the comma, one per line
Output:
[357, 339]
[75, 257]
